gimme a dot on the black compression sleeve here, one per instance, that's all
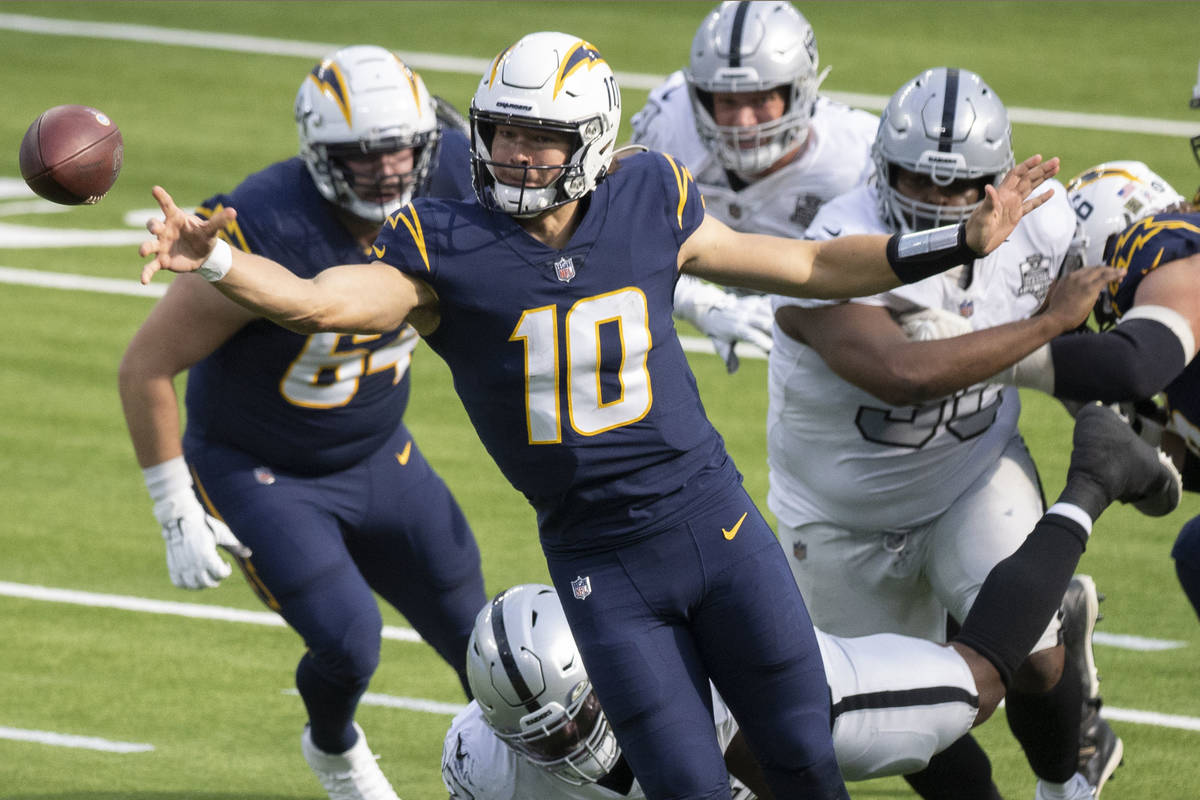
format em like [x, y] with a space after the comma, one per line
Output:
[1021, 594]
[1134, 360]
[915, 256]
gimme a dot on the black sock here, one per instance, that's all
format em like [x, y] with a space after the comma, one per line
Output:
[1022, 593]
[960, 772]
[1047, 726]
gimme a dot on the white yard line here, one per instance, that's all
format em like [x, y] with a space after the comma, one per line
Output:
[69, 740]
[225, 614]
[440, 62]
[169, 607]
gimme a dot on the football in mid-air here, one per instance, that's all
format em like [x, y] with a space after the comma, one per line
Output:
[72, 155]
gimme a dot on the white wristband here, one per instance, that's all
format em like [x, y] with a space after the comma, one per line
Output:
[1034, 371]
[166, 478]
[218, 263]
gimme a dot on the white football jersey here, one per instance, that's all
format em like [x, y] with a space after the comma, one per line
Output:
[478, 765]
[838, 454]
[837, 158]
[896, 701]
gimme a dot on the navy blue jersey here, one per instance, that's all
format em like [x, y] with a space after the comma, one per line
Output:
[567, 361]
[311, 404]
[1141, 248]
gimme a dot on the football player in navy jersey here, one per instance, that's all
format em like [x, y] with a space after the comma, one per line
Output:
[550, 300]
[536, 729]
[1129, 217]
[297, 441]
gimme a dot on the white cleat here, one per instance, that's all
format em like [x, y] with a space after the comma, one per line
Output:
[1075, 789]
[352, 775]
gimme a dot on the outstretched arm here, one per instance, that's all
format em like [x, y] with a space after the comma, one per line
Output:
[854, 266]
[355, 298]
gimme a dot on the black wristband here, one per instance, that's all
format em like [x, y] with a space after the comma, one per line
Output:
[915, 256]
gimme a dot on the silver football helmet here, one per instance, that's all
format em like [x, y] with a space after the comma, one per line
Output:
[747, 47]
[946, 124]
[364, 101]
[1110, 197]
[528, 678]
[552, 81]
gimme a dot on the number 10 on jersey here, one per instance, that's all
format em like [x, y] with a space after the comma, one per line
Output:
[581, 391]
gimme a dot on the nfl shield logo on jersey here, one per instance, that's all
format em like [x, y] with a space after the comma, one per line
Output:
[581, 587]
[264, 476]
[565, 269]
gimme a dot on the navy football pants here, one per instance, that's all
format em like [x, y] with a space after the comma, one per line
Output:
[670, 612]
[322, 544]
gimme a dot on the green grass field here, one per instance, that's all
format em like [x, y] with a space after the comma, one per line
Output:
[212, 697]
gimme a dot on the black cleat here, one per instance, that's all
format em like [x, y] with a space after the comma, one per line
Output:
[1109, 462]
[1100, 749]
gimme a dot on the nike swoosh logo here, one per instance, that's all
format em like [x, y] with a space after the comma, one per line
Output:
[379, 251]
[458, 751]
[732, 532]
[403, 455]
[826, 228]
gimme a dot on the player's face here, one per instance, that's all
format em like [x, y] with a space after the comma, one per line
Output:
[529, 147]
[742, 109]
[380, 177]
[919, 186]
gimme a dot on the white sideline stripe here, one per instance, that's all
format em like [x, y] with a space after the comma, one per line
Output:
[474, 66]
[144, 605]
[1129, 642]
[62, 280]
[226, 614]
[1151, 718]
[406, 703]
[69, 740]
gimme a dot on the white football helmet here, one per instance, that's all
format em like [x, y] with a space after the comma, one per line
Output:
[528, 678]
[360, 101]
[552, 81]
[748, 47]
[1107, 199]
[945, 123]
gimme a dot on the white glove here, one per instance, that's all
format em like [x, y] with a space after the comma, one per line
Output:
[192, 535]
[928, 324]
[724, 317]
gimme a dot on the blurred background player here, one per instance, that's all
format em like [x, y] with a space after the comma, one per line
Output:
[897, 471]
[1131, 218]
[568, 364]
[764, 147]
[297, 442]
[536, 728]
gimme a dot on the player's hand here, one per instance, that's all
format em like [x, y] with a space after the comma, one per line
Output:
[192, 536]
[1003, 206]
[746, 318]
[1072, 297]
[182, 241]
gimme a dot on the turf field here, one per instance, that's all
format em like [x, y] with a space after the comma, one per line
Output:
[114, 684]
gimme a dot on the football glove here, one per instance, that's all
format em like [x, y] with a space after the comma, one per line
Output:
[927, 324]
[725, 318]
[192, 535]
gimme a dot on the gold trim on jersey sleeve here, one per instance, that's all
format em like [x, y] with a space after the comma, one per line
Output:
[683, 179]
[414, 229]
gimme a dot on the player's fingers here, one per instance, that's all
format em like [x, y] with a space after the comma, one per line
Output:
[1034, 202]
[223, 217]
[165, 202]
[149, 270]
